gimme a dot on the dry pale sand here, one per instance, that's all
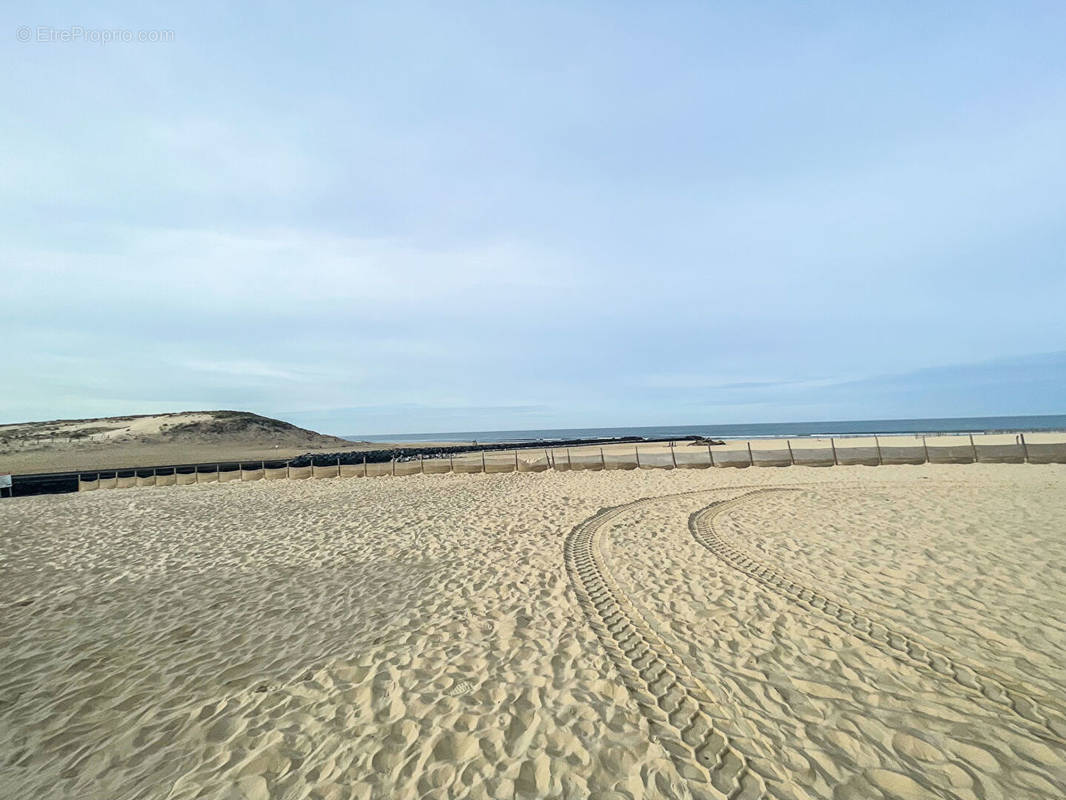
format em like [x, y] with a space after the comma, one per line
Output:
[850, 632]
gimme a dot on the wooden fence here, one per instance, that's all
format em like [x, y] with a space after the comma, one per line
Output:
[767, 453]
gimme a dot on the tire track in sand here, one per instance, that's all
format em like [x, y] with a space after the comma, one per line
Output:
[679, 709]
[905, 647]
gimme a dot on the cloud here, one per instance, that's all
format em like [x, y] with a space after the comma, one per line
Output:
[246, 370]
[1027, 384]
[536, 217]
[281, 272]
[694, 381]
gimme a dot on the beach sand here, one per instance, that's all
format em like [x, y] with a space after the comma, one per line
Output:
[850, 632]
[96, 457]
[188, 437]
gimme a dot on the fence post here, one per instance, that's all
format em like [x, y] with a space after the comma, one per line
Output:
[603, 461]
[925, 449]
[710, 454]
[673, 453]
[751, 458]
[364, 466]
[484, 469]
[636, 449]
[880, 460]
[422, 463]
[1025, 447]
[516, 460]
[834, 446]
[973, 449]
[394, 466]
[548, 458]
[569, 462]
[451, 462]
[791, 457]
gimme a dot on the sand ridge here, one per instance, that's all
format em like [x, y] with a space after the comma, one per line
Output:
[155, 439]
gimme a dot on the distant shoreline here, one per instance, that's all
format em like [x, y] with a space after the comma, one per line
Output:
[930, 426]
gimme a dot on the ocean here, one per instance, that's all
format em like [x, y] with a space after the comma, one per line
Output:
[763, 430]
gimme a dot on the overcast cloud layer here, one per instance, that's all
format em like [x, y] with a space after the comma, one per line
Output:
[405, 218]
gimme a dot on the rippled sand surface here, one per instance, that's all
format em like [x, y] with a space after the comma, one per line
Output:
[849, 632]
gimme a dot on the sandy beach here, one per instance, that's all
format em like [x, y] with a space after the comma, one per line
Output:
[189, 437]
[835, 633]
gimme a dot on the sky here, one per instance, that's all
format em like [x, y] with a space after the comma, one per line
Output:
[402, 217]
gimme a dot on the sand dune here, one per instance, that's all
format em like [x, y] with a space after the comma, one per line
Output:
[849, 633]
[154, 439]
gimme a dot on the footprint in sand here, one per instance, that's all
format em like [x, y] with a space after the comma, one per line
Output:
[460, 687]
